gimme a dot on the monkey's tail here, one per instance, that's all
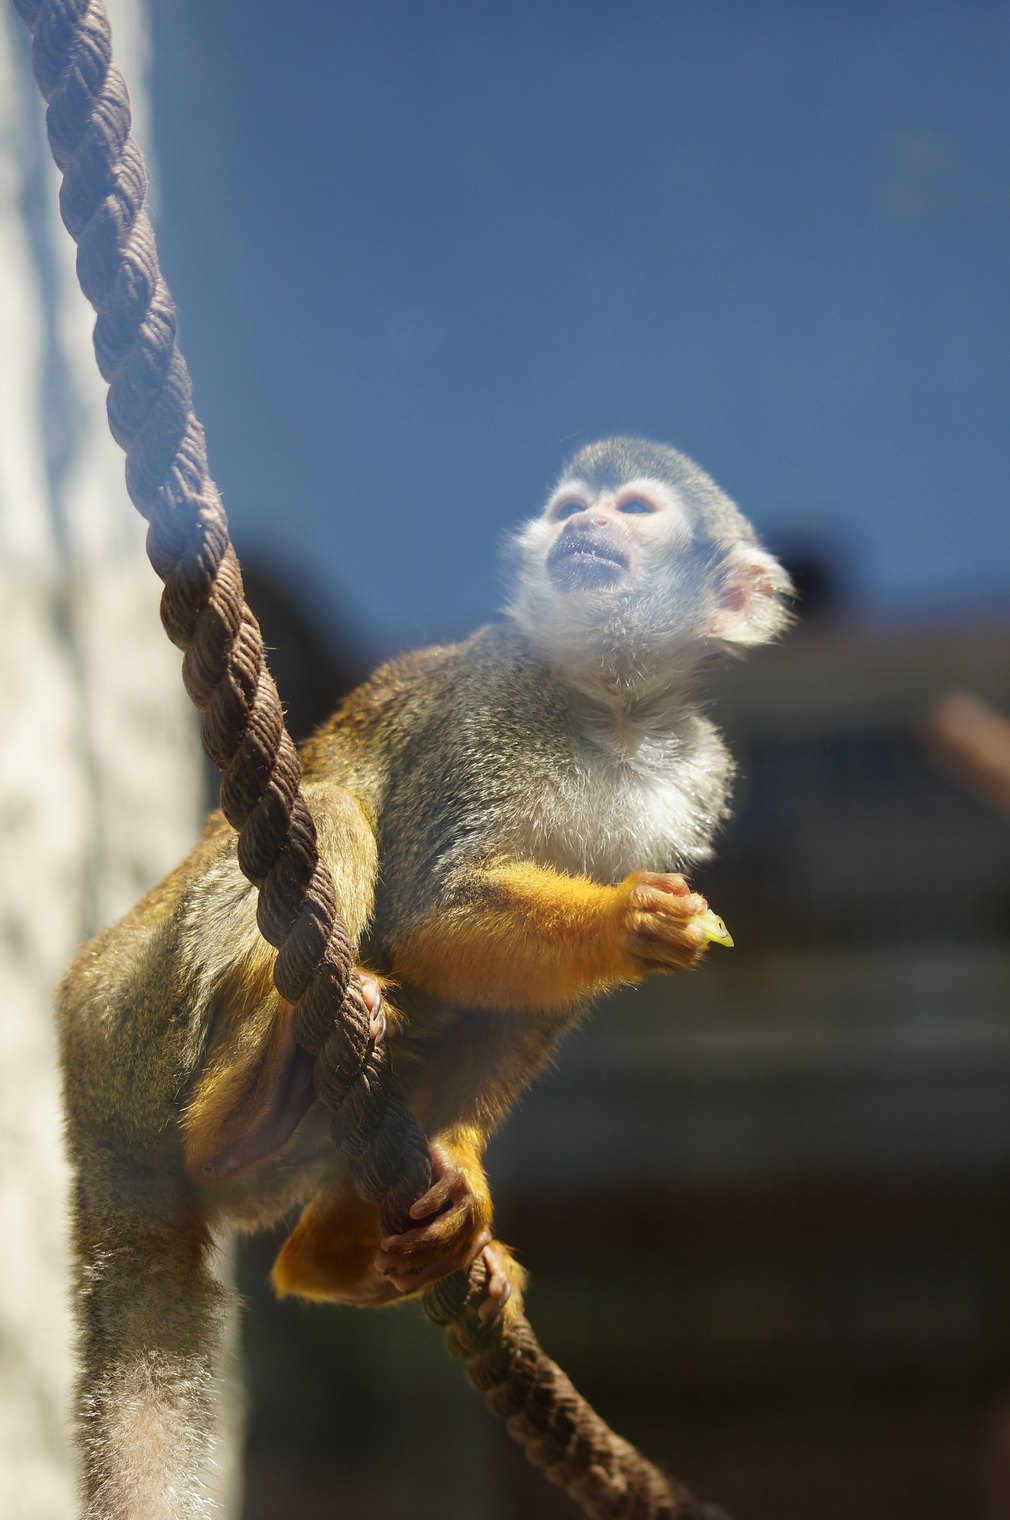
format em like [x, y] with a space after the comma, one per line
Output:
[150, 1313]
[560, 1432]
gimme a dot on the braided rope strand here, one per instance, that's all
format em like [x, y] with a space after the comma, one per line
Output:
[558, 1430]
[203, 608]
[102, 201]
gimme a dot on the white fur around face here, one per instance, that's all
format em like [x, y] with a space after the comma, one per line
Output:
[683, 595]
[647, 781]
[653, 614]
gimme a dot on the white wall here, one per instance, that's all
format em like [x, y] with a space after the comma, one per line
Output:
[100, 781]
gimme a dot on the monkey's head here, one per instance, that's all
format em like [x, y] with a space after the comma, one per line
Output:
[639, 557]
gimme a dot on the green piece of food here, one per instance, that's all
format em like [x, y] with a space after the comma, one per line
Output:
[713, 928]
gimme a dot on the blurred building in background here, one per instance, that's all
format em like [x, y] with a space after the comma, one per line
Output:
[766, 1205]
[791, 1169]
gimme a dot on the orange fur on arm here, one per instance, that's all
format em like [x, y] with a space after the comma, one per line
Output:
[528, 937]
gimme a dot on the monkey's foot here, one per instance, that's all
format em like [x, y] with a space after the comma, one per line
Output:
[453, 1233]
[504, 1272]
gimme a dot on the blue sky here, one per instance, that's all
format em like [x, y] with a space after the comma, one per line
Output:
[423, 250]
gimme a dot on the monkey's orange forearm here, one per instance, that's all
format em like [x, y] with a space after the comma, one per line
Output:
[530, 937]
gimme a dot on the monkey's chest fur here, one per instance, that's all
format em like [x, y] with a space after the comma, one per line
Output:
[495, 755]
[636, 790]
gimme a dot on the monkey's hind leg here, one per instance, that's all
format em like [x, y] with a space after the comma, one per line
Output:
[150, 1314]
[330, 1253]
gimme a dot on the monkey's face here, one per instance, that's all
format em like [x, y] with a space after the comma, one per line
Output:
[602, 540]
[639, 560]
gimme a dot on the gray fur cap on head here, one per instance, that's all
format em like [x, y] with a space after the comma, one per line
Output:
[617, 461]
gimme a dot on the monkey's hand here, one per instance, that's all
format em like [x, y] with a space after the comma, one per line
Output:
[454, 1219]
[659, 913]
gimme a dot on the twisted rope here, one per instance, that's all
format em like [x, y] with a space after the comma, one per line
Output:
[560, 1432]
[203, 606]
[204, 612]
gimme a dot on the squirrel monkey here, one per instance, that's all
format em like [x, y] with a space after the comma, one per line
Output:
[505, 820]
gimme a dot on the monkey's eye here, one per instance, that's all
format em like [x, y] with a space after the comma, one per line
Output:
[636, 504]
[568, 509]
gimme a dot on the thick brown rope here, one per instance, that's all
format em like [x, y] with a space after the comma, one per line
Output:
[203, 607]
[560, 1432]
[205, 613]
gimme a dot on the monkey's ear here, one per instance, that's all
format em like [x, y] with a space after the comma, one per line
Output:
[751, 593]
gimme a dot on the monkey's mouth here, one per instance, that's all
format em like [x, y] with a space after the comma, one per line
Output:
[579, 563]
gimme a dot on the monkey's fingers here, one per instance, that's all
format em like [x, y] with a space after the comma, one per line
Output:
[669, 882]
[440, 1233]
[399, 1251]
[678, 906]
[449, 1187]
[371, 990]
[409, 1279]
[499, 1289]
[684, 909]
[662, 941]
